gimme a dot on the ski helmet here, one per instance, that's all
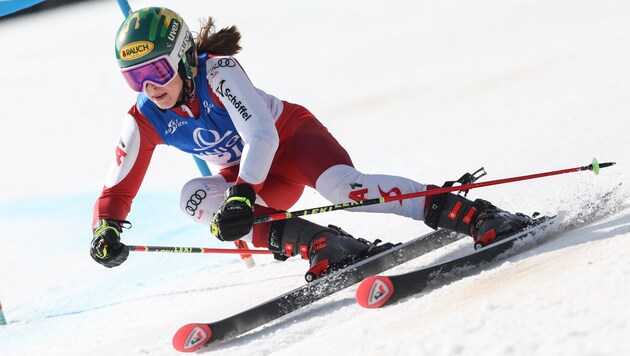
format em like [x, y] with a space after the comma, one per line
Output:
[152, 45]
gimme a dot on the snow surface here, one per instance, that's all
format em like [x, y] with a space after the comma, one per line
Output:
[423, 89]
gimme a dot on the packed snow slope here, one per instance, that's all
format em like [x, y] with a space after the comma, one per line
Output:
[423, 89]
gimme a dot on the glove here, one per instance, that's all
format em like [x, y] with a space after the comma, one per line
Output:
[235, 217]
[106, 247]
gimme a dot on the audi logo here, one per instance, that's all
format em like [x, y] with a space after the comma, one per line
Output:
[224, 62]
[194, 201]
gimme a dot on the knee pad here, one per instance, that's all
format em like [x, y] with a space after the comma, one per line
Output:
[201, 197]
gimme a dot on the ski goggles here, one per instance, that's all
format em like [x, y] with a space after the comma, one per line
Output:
[159, 71]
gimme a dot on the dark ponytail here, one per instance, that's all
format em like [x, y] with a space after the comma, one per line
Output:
[222, 42]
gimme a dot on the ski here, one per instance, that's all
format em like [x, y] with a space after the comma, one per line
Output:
[378, 291]
[192, 337]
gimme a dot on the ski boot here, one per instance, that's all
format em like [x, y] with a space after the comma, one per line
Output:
[326, 248]
[480, 219]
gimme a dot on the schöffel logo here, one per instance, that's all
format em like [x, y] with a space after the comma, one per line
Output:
[136, 50]
[236, 102]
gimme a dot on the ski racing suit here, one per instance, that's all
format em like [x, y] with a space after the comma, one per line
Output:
[250, 137]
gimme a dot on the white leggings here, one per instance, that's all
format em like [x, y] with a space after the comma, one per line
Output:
[201, 197]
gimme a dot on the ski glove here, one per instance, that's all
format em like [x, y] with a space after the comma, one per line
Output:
[106, 247]
[235, 217]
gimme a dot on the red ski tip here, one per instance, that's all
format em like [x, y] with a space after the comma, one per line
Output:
[191, 337]
[374, 291]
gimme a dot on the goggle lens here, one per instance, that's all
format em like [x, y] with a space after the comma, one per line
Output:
[158, 72]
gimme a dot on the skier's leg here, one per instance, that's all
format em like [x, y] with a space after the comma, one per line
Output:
[201, 197]
[344, 183]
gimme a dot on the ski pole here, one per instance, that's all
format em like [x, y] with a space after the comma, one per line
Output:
[196, 250]
[594, 166]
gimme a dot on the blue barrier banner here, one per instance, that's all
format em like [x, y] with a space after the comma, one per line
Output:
[10, 6]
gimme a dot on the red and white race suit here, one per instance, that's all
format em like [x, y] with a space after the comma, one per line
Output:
[250, 137]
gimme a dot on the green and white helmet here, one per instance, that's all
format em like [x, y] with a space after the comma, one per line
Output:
[153, 44]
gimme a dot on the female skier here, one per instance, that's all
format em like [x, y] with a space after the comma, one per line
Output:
[195, 96]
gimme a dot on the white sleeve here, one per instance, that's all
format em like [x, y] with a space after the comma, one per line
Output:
[251, 116]
[126, 152]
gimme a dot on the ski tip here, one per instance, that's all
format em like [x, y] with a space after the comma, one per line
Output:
[374, 292]
[191, 337]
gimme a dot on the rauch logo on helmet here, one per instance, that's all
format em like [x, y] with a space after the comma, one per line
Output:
[136, 50]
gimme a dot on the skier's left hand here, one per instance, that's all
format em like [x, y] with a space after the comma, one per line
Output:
[235, 217]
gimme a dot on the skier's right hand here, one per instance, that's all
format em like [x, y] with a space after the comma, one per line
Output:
[235, 217]
[106, 248]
